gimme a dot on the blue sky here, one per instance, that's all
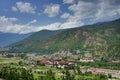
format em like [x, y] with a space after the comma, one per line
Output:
[24, 16]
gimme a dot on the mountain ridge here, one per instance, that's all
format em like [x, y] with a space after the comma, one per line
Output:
[102, 39]
[38, 36]
[9, 38]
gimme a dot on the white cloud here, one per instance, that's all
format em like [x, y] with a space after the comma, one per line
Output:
[39, 14]
[107, 12]
[23, 29]
[101, 10]
[68, 1]
[71, 24]
[82, 10]
[6, 25]
[12, 19]
[24, 7]
[53, 26]
[65, 15]
[14, 8]
[6, 21]
[96, 11]
[52, 10]
[31, 22]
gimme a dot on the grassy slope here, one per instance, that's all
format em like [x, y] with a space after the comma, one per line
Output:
[36, 37]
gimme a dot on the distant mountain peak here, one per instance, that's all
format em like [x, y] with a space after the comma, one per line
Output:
[8, 38]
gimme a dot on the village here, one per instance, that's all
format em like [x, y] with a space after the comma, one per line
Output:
[60, 62]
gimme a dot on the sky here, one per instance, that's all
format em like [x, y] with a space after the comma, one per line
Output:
[25, 16]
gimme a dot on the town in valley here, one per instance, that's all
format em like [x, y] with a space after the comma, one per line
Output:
[86, 66]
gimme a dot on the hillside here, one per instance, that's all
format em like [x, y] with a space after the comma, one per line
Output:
[35, 37]
[101, 40]
[8, 38]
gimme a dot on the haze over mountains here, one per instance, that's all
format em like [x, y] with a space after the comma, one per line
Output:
[101, 40]
[9, 38]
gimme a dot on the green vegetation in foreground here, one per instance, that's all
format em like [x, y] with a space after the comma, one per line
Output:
[104, 65]
[21, 70]
[21, 73]
[10, 60]
[14, 73]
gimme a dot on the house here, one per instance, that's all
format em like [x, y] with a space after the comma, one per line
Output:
[32, 65]
[114, 73]
[86, 59]
[115, 61]
[84, 70]
[57, 61]
[62, 64]
[2, 55]
[101, 71]
[72, 63]
[49, 63]
[46, 62]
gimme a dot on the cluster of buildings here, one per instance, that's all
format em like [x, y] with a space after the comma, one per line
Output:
[114, 73]
[87, 59]
[62, 64]
[2, 55]
[4, 49]
[57, 63]
[115, 61]
[9, 55]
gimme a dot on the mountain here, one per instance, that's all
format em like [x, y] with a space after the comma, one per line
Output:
[100, 40]
[8, 38]
[36, 37]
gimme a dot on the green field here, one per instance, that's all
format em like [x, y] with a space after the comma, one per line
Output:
[10, 60]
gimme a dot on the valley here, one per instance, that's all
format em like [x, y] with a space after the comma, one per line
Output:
[41, 66]
[59, 39]
[85, 53]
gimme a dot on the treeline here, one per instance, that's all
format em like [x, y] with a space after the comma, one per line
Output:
[13, 73]
[106, 65]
